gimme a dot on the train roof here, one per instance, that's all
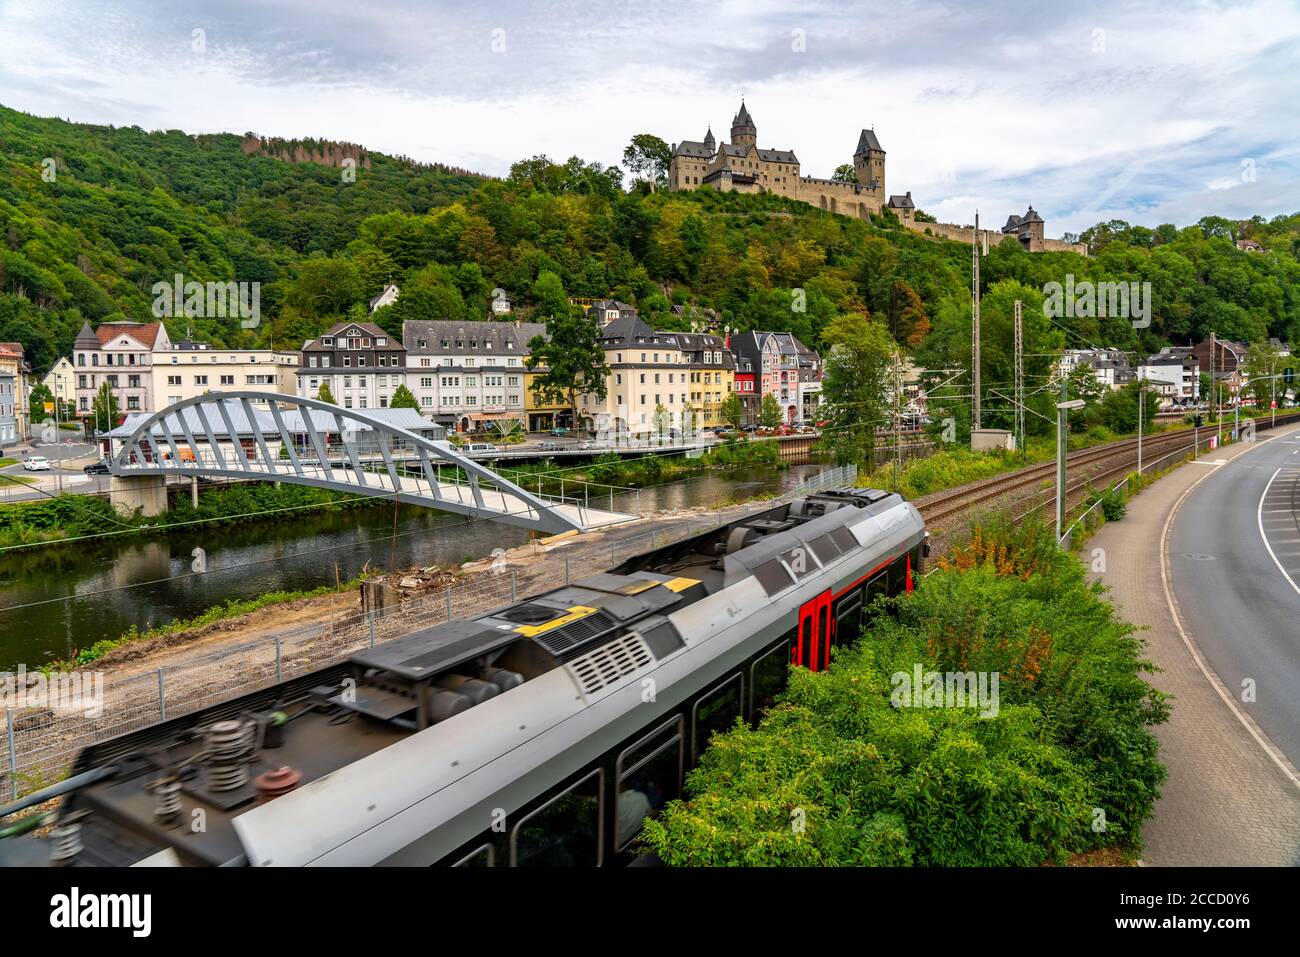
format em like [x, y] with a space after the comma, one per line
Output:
[139, 792]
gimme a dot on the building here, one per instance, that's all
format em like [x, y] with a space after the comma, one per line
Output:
[712, 372]
[1249, 246]
[1175, 373]
[361, 363]
[121, 354]
[1223, 355]
[468, 375]
[746, 388]
[187, 369]
[784, 368]
[61, 380]
[1110, 366]
[500, 304]
[743, 166]
[385, 298]
[542, 415]
[649, 370]
[13, 361]
[9, 434]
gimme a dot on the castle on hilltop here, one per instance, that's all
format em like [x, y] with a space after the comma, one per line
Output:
[743, 166]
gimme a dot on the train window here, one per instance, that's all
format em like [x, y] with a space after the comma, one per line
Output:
[565, 831]
[844, 538]
[773, 576]
[848, 618]
[649, 774]
[768, 677]
[483, 856]
[715, 711]
[825, 549]
[898, 575]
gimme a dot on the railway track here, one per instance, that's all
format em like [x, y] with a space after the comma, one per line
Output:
[1087, 467]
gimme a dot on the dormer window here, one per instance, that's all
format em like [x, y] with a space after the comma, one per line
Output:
[327, 341]
[381, 341]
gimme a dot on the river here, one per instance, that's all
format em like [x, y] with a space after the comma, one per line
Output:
[57, 599]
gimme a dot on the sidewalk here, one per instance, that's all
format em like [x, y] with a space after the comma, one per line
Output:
[1225, 802]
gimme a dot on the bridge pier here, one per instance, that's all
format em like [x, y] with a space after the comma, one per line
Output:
[146, 494]
[194, 491]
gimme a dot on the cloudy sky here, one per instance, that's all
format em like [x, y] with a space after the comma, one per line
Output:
[1150, 112]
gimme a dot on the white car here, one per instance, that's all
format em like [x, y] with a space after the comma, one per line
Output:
[36, 463]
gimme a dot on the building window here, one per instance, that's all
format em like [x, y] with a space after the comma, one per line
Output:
[228, 380]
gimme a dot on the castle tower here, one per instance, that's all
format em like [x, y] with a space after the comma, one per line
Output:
[869, 163]
[743, 131]
[709, 142]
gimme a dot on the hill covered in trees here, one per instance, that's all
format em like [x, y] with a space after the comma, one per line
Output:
[125, 208]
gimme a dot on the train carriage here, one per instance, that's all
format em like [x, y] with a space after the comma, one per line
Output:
[540, 734]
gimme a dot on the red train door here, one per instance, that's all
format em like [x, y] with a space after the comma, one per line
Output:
[813, 648]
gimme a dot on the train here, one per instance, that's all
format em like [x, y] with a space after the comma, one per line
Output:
[543, 733]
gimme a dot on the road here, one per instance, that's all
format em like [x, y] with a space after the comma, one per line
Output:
[1234, 552]
[1231, 798]
[60, 478]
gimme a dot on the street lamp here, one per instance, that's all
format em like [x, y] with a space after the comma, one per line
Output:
[1062, 431]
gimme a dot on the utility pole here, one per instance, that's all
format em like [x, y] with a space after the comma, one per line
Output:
[1062, 431]
[1020, 383]
[1142, 397]
[1214, 387]
[898, 419]
[975, 325]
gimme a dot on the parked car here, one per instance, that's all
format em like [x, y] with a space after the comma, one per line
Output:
[549, 446]
[36, 463]
[97, 468]
[474, 447]
[559, 430]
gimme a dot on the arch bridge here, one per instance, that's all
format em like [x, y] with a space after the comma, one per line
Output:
[379, 452]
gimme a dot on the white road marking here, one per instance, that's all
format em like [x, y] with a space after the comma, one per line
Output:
[1260, 517]
[1210, 676]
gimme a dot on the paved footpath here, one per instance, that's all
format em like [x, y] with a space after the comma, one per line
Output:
[1231, 797]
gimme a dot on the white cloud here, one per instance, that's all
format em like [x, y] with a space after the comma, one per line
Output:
[992, 106]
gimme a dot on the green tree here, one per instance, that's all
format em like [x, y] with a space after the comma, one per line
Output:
[324, 394]
[104, 408]
[648, 156]
[854, 385]
[733, 410]
[570, 354]
[36, 399]
[661, 420]
[403, 399]
[769, 412]
[844, 173]
[325, 286]
[1263, 360]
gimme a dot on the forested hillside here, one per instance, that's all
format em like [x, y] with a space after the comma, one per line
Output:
[128, 208]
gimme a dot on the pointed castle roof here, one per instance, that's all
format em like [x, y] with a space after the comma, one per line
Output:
[867, 142]
[743, 123]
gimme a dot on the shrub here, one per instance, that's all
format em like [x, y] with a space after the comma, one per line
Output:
[836, 775]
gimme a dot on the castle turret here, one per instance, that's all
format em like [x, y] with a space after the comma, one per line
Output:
[709, 142]
[743, 131]
[869, 163]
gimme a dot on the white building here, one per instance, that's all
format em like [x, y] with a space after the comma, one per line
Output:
[1109, 366]
[188, 369]
[385, 298]
[465, 375]
[121, 354]
[61, 380]
[1175, 373]
[360, 363]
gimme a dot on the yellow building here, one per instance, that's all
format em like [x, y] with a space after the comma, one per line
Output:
[541, 416]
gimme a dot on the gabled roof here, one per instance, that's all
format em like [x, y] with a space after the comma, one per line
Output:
[777, 156]
[902, 202]
[692, 148]
[145, 333]
[867, 141]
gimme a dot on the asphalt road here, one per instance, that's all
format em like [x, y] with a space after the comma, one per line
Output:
[1234, 557]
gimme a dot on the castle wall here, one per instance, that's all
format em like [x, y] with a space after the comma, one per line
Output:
[965, 234]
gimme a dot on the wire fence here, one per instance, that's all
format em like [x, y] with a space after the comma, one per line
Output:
[40, 741]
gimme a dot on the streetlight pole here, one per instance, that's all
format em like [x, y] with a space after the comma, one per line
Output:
[1142, 395]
